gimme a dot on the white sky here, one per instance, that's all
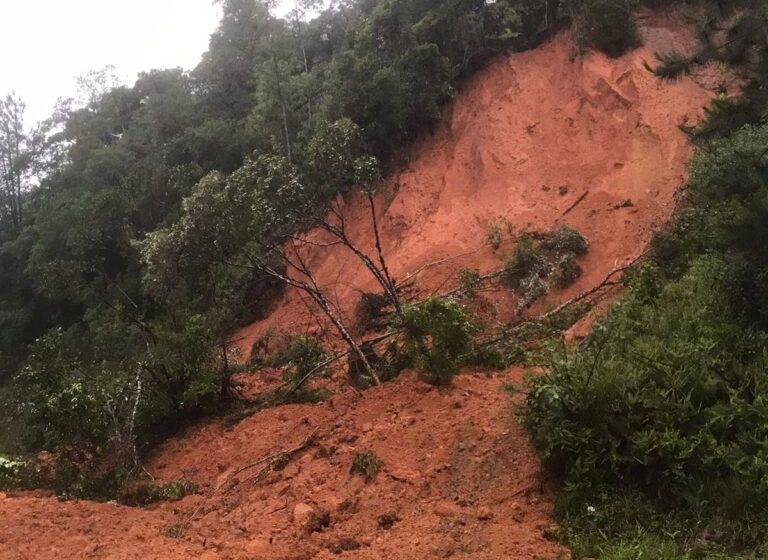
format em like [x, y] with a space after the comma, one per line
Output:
[47, 43]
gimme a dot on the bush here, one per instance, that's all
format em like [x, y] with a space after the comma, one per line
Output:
[565, 240]
[367, 465]
[493, 236]
[469, 282]
[298, 355]
[566, 272]
[541, 260]
[608, 26]
[370, 312]
[437, 338]
[666, 398]
[526, 263]
[17, 473]
[142, 493]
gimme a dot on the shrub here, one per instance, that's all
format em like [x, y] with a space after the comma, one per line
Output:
[437, 338]
[370, 312]
[671, 65]
[526, 263]
[541, 260]
[493, 237]
[469, 282]
[144, 492]
[608, 26]
[367, 465]
[666, 398]
[566, 272]
[565, 240]
[17, 473]
[298, 355]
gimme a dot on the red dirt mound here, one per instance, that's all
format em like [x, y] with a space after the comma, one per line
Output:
[539, 139]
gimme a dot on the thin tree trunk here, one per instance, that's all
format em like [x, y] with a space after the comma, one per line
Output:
[285, 132]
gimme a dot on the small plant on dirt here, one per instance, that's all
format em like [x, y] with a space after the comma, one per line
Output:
[145, 492]
[493, 237]
[495, 234]
[298, 355]
[566, 271]
[608, 25]
[565, 240]
[260, 349]
[370, 314]
[176, 490]
[17, 473]
[671, 65]
[626, 203]
[526, 262]
[437, 338]
[366, 464]
[469, 282]
[486, 356]
[313, 395]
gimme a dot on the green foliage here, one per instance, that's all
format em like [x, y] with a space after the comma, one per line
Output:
[493, 237]
[526, 265]
[335, 157]
[671, 65]
[565, 240]
[437, 338]
[469, 282]
[608, 25]
[540, 261]
[366, 464]
[620, 524]
[566, 271]
[665, 398]
[17, 473]
[63, 397]
[299, 355]
[77, 394]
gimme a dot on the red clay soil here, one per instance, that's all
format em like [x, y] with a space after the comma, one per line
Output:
[529, 137]
[458, 477]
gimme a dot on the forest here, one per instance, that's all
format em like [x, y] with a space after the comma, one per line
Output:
[140, 224]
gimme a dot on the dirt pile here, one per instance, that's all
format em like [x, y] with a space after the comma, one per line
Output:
[537, 139]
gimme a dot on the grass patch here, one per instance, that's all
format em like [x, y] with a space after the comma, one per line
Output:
[367, 465]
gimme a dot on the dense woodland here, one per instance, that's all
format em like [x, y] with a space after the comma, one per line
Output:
[140, 224]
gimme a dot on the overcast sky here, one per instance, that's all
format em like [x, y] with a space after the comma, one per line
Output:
[47, 43]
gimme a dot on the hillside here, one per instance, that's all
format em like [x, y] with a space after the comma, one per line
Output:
[604, 129]
[459, 477]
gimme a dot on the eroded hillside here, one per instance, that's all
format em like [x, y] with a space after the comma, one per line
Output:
[539, 139]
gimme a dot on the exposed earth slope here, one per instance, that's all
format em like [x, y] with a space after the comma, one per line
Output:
[459, 478]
